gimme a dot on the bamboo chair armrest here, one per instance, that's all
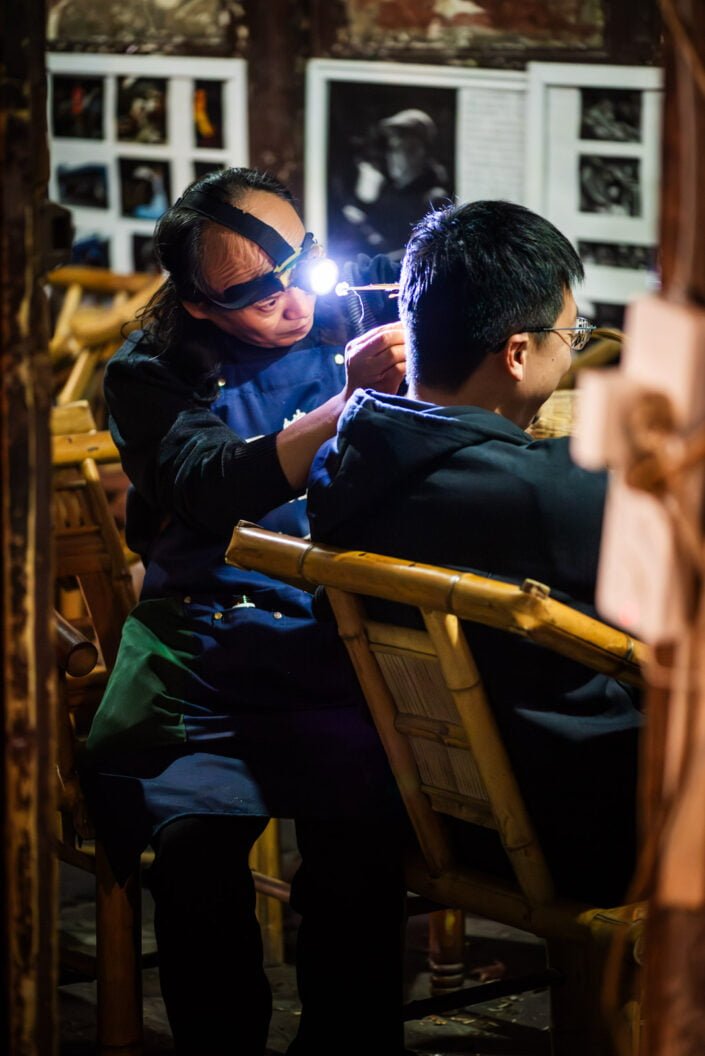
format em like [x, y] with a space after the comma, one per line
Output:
[72, 449]
[98, 280]
[91, 327]
[527, 610]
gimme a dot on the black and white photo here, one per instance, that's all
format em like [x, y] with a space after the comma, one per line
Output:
[610, 185]
[610, 114]
[617, 254]
[391, 156]
[594, 169]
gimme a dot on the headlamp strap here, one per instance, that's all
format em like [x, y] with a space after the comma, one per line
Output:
[245, 224]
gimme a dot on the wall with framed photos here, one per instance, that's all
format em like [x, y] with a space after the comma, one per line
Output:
[594, 171]
[128, 133]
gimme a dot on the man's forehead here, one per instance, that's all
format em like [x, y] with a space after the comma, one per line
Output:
[276, 212]
[234, 257]
[231, 258]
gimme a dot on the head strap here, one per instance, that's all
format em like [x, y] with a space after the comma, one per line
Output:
[245, 224]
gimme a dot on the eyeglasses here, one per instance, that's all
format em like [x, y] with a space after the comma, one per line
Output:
[582, 332]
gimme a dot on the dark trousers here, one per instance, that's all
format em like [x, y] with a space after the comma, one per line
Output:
[350, 893]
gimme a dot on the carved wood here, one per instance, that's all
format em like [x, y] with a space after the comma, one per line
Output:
[675, 950]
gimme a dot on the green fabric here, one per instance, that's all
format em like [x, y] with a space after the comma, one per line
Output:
[137, 711]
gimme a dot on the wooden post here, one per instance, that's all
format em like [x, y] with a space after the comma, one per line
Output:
[119, 976]
[27, 761]
[675, 943]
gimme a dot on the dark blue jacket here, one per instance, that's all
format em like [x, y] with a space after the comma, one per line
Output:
[465, 488]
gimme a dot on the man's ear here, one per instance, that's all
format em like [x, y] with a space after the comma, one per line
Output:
[514, 355]
[198, 311]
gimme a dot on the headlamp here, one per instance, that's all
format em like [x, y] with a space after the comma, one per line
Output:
[306, 268]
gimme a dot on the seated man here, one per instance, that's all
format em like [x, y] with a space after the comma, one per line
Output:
[447, 475]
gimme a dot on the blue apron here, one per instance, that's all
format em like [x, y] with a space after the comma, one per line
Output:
[228, 696]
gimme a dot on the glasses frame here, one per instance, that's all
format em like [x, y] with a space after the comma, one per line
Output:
[583, 331]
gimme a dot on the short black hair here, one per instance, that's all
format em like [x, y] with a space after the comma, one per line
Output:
[472, 276]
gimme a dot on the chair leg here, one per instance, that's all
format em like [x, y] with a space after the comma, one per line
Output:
[265, 858]
[446, 948]
[578, 1027]
[119, 968]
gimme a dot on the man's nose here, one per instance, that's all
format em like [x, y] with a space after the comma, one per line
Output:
[298, 303]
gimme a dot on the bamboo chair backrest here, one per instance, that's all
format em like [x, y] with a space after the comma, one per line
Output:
[88, 547]
[87, 335]
[423, 687]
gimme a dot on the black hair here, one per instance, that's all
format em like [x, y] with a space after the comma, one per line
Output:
[178, 245]
[472, 276]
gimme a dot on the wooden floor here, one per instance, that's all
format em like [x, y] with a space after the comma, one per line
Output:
[514, 1026]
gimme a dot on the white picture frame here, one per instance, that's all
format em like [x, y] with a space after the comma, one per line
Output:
[115, 156]
[593, 169]
[487, 139]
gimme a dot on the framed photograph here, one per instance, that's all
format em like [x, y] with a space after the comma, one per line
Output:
[85, 185]
[145, 187]
[77, 110]
[208, 113]
[595, 173]
[160, 124]
[141, 109]
[610, 185]
[386, 142]
[610, 113]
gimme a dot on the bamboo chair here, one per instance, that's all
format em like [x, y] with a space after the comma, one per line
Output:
[604, 348]
[86, 335]
[427, 700]
[90, 553]
[558, 414]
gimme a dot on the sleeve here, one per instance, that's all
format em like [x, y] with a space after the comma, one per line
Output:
[180, 456]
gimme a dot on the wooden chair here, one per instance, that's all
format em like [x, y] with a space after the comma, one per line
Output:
[430, 708]
[90, 555]
[85, 335]
[605, 347]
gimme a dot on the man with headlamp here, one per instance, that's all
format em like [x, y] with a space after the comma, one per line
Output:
[229, 703]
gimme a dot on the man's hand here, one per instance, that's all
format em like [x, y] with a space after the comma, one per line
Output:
[376, 360]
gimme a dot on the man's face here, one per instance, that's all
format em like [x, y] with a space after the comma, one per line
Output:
[282, 319]
[548, 360]
[406, 156]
